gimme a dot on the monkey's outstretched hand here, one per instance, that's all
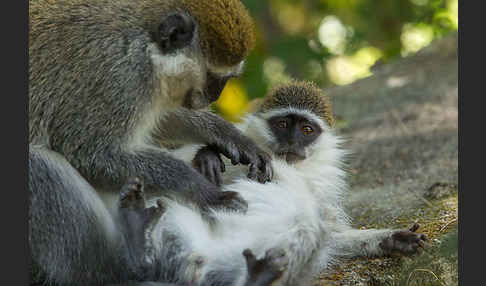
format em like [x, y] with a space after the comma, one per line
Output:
[248, 153]
[404, 241]
[204, 127]
[209, 163]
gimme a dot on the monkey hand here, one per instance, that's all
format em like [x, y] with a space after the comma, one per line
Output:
[245, 151]
[404, 241]
[209, 163]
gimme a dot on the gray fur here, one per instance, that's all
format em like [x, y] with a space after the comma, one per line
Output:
[72, 237]
[87, 93]
[98, 91]
[314, 235]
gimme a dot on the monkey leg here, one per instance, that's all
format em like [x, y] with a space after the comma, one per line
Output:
[137, 223]
[265, 271]
[377, 242]
[72, 237]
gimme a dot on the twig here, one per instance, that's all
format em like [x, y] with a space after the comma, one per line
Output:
[447, 224]
[424, 270]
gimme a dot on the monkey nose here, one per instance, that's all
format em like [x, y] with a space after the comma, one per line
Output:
[175, 32]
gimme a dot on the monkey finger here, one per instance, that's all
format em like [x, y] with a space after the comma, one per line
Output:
[230, 153]
[268, 172]
[249, 257]
[217, 175]
[206, 171]
[253, 172]
[212, 174]
[266, 166]
[221, 164]
[246, 159]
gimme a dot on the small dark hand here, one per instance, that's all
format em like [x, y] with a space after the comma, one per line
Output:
[404, 241]
[209, 163]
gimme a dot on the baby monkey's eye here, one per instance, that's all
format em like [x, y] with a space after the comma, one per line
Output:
[282, 124]
[307, 130]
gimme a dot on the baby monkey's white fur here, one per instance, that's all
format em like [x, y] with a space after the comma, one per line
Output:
[300, 211]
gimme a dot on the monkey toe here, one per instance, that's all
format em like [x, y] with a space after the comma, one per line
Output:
[153, 214]
[132, 195]
[277, 259]
[265, 271]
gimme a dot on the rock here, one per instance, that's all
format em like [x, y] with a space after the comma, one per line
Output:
[402, 127]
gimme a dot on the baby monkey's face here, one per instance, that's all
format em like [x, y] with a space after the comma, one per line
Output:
[293, 133]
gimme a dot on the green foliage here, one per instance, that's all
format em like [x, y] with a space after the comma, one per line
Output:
[288, 30]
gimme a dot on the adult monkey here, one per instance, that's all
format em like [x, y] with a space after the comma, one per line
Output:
[104, 78]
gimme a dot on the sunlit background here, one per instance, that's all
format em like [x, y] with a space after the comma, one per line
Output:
[332, 42]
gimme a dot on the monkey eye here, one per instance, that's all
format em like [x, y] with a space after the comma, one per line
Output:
[282, 124]
[307, 130]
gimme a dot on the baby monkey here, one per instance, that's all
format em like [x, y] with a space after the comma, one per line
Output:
[295, 225]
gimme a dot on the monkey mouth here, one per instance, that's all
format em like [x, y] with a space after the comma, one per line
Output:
[291, 157]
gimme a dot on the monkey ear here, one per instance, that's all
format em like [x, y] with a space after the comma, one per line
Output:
[175, 32]
[255, 105]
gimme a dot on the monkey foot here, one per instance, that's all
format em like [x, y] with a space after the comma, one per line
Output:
[132, 197]
[137, 221]
[265, 271]
[404, 241]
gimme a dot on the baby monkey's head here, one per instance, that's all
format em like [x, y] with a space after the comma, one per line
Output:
[297, 114]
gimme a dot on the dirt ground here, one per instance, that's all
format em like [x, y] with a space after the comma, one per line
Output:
[402, 127]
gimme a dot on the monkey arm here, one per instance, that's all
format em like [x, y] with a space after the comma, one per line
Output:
[357, 242]
[162, 175]
[377, 242]
[204, 127]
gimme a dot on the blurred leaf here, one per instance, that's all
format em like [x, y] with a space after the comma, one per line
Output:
[233, 101]
[288, 36]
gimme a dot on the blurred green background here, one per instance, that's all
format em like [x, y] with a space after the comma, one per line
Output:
[331, 42]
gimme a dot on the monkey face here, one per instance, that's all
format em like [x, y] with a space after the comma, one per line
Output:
[303, 96]
[198, 46]
[293, 134]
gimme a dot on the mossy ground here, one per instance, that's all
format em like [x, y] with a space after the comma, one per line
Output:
[404, 166]
[435, 265]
